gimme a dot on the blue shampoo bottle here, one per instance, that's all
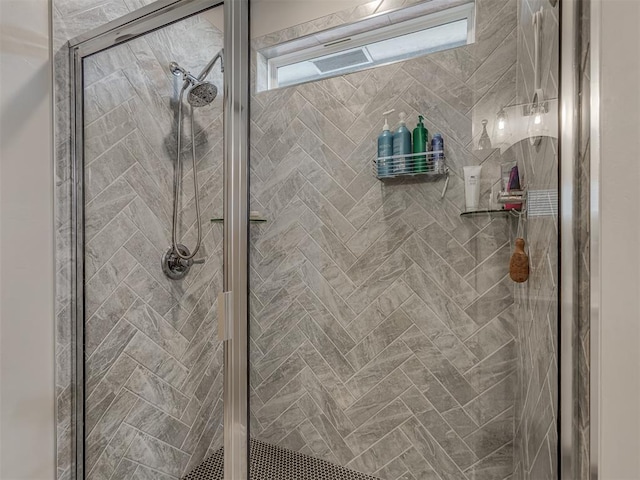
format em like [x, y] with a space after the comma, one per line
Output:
[385, 148]
[401, 145]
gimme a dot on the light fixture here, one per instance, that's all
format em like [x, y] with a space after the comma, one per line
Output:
[485, 142]
[536, 128]
[537, 112]
[502, 126]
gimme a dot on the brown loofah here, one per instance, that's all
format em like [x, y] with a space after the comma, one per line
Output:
[519, 264]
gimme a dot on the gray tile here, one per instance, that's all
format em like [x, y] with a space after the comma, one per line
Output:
[106, 317]
[379, 339]
[107, 353]
[329, 215]
[106, 94]
[278, 379]
[492, 369]
[378, 426]
[326, 403]
[390, 271]
[279, 353]
[457, 385]
[153, 453]
[493, 435]
[150, 291]
[107, 426]
[319, 314]
[418, 465]
[431, 451]
[105, 206]
[325, 374]
[148, 419]
[375, 400]
[381, 307]
[380, 251]
[143, 317]
[334, 110]
[151, 356]
[329, 351]
[440, 271]
[155, 391]
[336, 278]
[497, 465]
[102, 247]
[327, 131]
[447, 311]
[105, 169]
[389, 447]
[492, 303]
[451, 347]
[280, 327]
[107, 131]
[325, 299]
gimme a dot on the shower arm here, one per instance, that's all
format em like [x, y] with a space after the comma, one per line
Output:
[207, 70]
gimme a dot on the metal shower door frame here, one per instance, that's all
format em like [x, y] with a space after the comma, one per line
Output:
[236, 218]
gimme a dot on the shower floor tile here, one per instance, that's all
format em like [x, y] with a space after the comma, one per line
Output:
[269, 462]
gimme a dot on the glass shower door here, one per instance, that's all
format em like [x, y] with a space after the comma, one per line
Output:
[388, 338]
[153, 364]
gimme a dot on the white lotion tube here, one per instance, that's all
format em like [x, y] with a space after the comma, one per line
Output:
[472, 187]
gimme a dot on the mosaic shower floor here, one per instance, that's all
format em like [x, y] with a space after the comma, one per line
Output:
[269, 462]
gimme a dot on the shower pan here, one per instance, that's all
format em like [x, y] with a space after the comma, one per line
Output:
[366, 328]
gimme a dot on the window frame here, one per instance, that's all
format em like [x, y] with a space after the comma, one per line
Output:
[423, 22]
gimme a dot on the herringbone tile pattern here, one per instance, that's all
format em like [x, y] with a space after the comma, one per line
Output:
[382, 329]
[536, 301]
[153, 365]
[382, 324]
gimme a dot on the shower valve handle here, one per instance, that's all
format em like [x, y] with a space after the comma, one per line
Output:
[174, 266]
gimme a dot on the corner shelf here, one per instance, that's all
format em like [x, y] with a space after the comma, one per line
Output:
[255, 217]
[515, 197]
[473, 213]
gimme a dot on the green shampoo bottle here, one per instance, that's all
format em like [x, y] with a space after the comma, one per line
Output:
[420, 142]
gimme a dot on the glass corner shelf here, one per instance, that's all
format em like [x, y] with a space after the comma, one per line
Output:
[255, 217]
[488, 211]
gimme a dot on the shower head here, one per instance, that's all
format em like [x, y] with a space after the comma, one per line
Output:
[202, 94]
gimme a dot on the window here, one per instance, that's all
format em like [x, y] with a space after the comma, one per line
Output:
[301, 61]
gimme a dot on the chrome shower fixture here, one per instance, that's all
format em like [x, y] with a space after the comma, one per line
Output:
[178, 259]
[201, 93]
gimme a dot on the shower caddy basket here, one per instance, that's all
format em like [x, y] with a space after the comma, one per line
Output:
[433, 166]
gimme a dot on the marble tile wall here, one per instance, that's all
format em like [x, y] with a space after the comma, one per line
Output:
[582, 320]
[383, 324]
[536, 305]
[153, 366]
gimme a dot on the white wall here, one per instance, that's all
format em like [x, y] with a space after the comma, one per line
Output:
[619, 455]
[27, 395]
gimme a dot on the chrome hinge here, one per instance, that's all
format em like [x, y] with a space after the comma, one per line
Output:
[225, 316]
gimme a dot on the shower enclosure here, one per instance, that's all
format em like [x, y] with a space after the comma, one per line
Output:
[254, 297]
